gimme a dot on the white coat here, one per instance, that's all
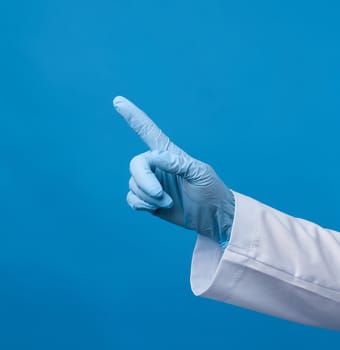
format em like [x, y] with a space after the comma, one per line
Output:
[275, 264]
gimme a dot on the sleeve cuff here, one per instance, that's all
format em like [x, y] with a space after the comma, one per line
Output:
[208, 257]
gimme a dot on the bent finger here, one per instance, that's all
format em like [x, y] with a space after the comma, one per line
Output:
[141, 171]
[138, 204]
[164, 202]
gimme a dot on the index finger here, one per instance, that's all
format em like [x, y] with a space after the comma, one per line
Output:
[147, 130]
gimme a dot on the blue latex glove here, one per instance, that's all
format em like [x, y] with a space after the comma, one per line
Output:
[172, 185]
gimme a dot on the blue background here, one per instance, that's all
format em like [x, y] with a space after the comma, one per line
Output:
[252, 87]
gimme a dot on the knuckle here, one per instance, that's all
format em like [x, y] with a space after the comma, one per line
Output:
[129, 200]
[146, 129]
[136, 161]
[133, 162]
[131, 183]
[208, 167]
[204, 170]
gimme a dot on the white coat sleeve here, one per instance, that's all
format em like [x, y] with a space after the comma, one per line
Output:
[275, 264]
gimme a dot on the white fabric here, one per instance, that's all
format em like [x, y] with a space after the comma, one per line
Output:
[275, 264]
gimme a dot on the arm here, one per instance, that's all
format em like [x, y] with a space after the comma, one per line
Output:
[274, 263]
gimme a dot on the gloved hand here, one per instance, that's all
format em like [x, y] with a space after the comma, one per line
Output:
[172, 185]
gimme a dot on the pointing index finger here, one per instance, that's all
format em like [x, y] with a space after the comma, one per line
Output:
[143, 125]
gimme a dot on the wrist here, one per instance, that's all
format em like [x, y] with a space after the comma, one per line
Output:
[228, 212]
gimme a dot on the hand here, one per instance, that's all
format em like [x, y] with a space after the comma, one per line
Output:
[172, 185]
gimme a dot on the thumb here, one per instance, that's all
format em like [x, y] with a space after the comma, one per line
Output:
[179, 164]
